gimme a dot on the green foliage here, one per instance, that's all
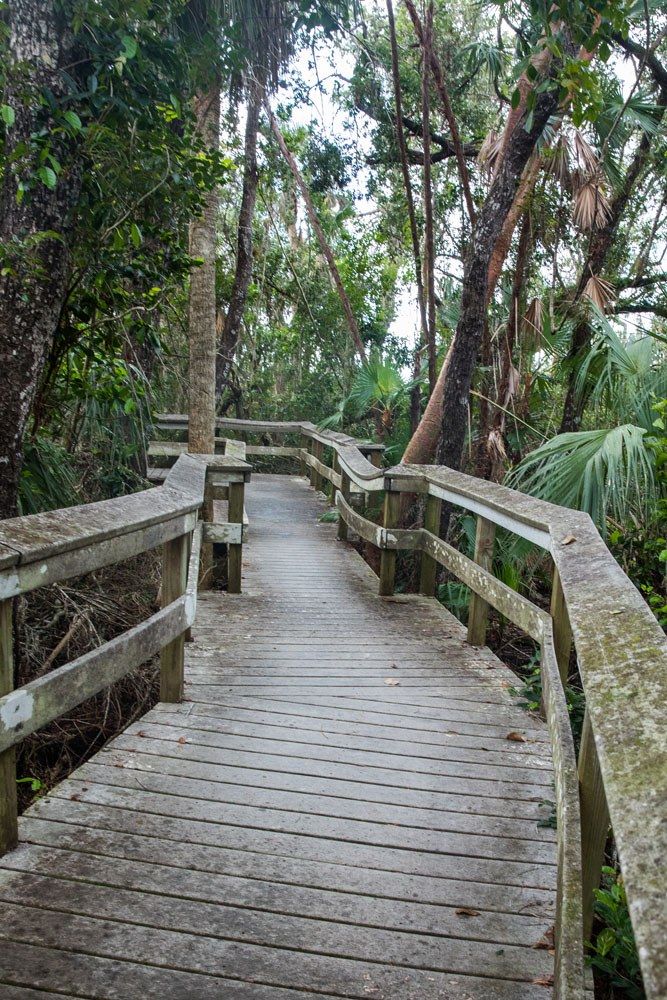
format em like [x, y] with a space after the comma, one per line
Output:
[613, 950]
[530, 695]
[34, 783]
[603, 472]
[48, 477]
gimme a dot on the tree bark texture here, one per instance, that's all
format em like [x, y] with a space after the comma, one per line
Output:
[33, 284]
[429, 238]
[462, 354]
[202, 301]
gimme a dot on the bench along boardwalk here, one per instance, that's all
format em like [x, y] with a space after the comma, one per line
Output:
[344, 801]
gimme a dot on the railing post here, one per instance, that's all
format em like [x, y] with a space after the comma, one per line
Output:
[428, 564]
[478, 612]
[392, 506]
[315, 479]
[594, 821]
[9, 834]
[561, 627]
[206, 561]
[345, 490]
[335, 467]
[305, 444]
[174, 581]
[235, 552]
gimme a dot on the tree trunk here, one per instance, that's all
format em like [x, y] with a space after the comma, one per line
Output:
[429, 239]
[232, 326]
[505, 200]
[405, 169]
[462, 354]
[321, 238]
[439, 79]
[33, 288]
[202, 305]
[494, 444]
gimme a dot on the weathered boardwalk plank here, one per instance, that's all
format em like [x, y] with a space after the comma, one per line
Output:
[334, 811]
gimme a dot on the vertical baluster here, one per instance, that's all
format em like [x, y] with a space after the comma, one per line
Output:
[392, 504]
[594, 821]
[174, 581]
[335, 468]
[235, 552]
[479, 610]
[305, 445]
[345, 490]
[8, 809]
[561, 627]
[428, 564]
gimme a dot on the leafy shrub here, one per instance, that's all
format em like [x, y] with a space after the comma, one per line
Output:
[613, 950]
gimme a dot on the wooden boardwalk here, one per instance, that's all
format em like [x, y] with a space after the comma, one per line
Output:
[336, 810]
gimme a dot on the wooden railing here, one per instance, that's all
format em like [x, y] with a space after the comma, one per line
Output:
[46, 548]
[620, 777]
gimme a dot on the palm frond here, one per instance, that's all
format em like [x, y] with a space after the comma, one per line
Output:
[599, 291]
[606, 472]
[590, 208]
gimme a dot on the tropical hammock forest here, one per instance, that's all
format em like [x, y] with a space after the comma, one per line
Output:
[241, 240]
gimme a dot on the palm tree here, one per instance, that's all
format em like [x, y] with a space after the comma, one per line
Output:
[379, 390]
[607, 471]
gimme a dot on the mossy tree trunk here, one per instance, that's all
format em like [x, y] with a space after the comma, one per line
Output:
[36, 228]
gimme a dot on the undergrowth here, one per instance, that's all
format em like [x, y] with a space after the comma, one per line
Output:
[54, 625]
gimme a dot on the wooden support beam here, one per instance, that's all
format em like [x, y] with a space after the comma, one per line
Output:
[235, 552]
[479, 610]
[305, 445]
[175, 557]
[345, 493]
[335, 465]
[561, 627]
[316, 480]
[206, 564]
[428, 564]
[594, 821]
[392, 503]
[9, 834]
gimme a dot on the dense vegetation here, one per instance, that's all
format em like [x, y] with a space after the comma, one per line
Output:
[441, 225]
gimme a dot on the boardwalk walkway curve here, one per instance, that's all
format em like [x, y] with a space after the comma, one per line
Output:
[344, 799]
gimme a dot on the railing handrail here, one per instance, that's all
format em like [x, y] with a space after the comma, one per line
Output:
[621, 650]
[40, 549]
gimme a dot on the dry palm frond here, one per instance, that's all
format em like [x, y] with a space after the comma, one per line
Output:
[531, 325]
[585, 155]
[591, 209]
[489, 152]
[495, 445]
[512, 387]
[558, 161]
[600, 292]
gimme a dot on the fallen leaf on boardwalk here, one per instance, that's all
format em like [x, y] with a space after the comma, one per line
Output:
[568, 540]
[75, 797]
[142, 733]
[516, 738]
[391, 681]
[543, 981]
[182, 740]
[546, 942]
[466, 911]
